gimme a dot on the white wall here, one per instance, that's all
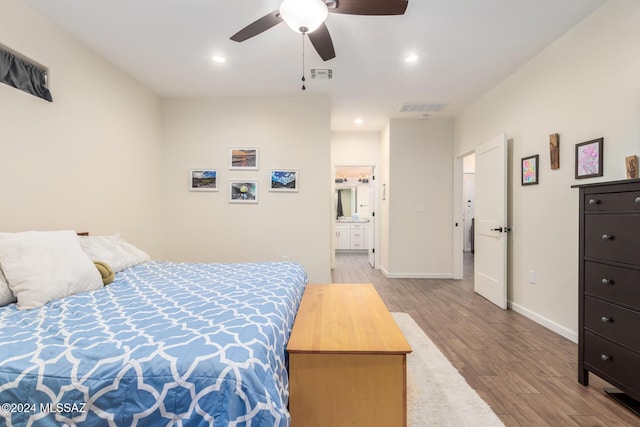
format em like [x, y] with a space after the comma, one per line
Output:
[291, 133]
[355, 148]
[419, 213]
[88, 161]
[584, 86]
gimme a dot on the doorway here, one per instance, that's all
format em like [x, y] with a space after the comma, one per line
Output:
[464, 201]
[489, 220]
[468, 197]
[353, 214]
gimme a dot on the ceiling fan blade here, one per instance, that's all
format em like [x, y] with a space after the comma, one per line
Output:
[321, 41]
[256, 27]
[371, 7]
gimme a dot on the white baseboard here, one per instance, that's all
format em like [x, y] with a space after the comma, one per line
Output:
[415, 275]
[549, 324]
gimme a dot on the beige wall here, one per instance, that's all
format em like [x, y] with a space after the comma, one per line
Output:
[355, 148]
[584, 86]
[417, 227]
[291, 133]
[88, 161]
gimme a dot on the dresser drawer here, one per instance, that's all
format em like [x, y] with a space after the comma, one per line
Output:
[614, 363]
[601, 202]
[615, 284]
[613, 237]
[615, 322]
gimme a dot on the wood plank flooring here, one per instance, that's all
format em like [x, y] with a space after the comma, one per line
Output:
[525, 372]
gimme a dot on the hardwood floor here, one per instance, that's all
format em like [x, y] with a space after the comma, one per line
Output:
[525, 372]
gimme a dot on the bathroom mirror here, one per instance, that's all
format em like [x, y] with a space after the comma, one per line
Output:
[346, 201]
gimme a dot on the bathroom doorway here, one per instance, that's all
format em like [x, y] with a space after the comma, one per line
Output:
[354, 206]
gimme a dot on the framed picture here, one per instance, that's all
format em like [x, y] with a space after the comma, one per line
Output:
[589, 157]
[244, 158]
[529, 170]
[554, 151]
[631, 165]
[285, 180]
[243, 191]
[203, 180]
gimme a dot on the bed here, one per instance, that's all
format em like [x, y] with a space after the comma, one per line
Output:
[179, 344]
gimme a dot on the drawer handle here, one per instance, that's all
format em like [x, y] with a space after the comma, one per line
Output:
[637, 199]
[606, 319]
[607, 237]
[607, 282]
[605, 358]
[597, 202]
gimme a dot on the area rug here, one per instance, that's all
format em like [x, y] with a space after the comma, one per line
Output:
[437, 395]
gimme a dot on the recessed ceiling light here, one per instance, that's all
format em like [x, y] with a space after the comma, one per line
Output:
[218, 59]
[359, 121]
[411, 58]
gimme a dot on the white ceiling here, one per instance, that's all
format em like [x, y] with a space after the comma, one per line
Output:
[465, 47]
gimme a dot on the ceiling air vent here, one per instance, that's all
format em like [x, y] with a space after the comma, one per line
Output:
[421, 107]
[322, 73]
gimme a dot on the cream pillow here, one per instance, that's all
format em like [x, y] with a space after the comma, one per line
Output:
[41, 266]
[113, 250]
[6, 296]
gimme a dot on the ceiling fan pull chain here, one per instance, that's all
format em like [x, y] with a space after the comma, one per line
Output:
[303, 78]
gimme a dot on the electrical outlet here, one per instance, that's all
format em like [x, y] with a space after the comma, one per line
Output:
[532, 277]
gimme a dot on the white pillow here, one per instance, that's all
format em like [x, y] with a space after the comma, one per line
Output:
[113, 250]
[6, 296]
[41, 266]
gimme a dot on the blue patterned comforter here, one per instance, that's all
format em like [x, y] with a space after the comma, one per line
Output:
[165, 344]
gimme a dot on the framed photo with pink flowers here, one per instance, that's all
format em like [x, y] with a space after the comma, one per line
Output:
[529, 169]
[589, 158]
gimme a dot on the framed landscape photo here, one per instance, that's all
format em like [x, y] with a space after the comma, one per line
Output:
[284, 180]
[203, 180]
[244, 158]
[243, 191]
[589, 158]
[529, 170]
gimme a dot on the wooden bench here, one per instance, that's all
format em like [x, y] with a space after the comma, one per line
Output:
[347, 360]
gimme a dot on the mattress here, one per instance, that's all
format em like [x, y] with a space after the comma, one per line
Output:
[164, 344]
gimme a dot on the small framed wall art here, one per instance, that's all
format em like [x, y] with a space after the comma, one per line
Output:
[554, 151]
[243, 191]
[589, 158]
[203, 180]
[529, 170]
[631, 165]
[284, 180]
[244, 158]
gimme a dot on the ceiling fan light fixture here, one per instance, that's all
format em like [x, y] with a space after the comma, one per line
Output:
[303, 16]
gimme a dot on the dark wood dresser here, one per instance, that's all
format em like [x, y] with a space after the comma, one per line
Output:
[609, 292]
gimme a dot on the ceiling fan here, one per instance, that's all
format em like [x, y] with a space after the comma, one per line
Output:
[316, 12]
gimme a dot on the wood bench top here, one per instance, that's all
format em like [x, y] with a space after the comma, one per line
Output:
[345, 318]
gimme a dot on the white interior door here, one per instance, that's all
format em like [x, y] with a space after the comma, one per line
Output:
[490, 269]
